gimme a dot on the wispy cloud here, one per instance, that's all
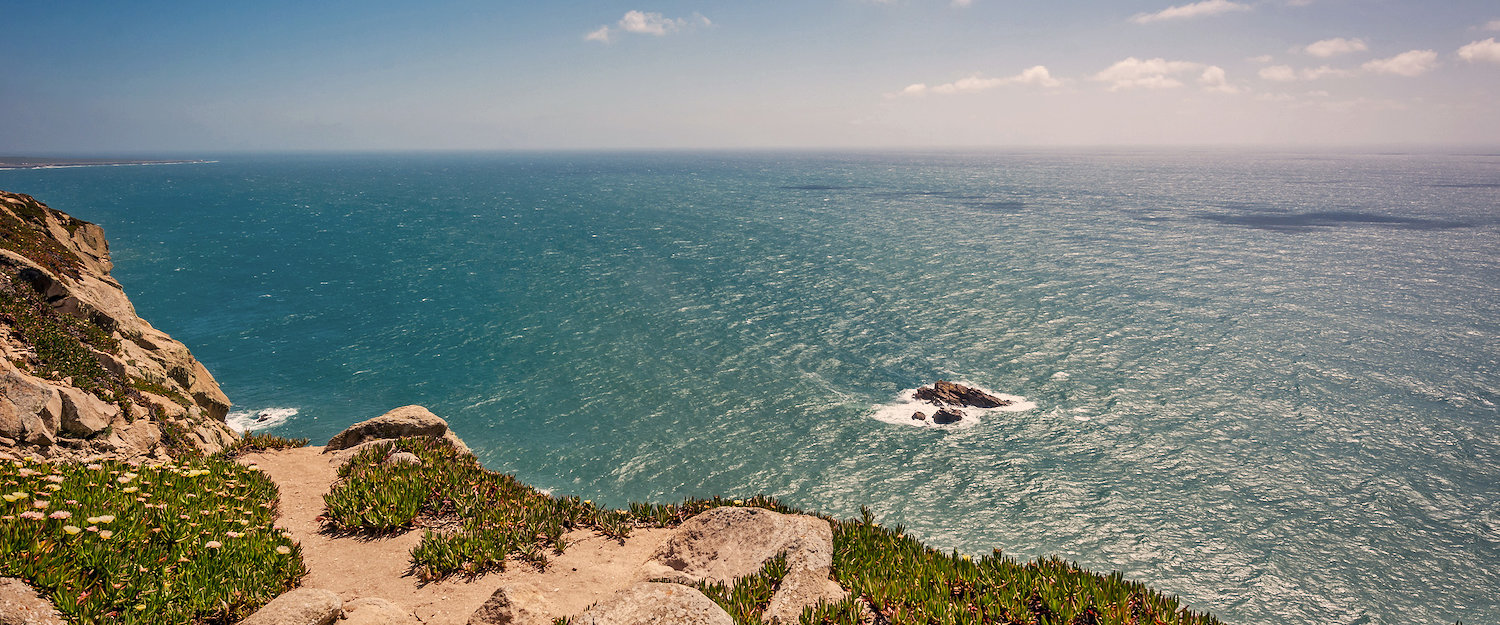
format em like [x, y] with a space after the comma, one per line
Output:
[1188, 11]
[644, 23]
[1410, 63]
[1492, 25]
[1285, 73]
[1133, 73]
[1486, 50]
[1036, 76]
[1334, 47]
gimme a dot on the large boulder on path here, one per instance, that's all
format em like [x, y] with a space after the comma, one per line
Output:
[399, 423]
[21, 605]
[726, 543]
[518, 604]
[303, 606]
[654, 603]
[375, 611]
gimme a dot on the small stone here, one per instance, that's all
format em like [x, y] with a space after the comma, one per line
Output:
[403, 457]
[918, 416]
[517, 604]
[655, 602]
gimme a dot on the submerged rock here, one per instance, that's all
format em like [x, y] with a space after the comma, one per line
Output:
[918, 416]
[944, 392]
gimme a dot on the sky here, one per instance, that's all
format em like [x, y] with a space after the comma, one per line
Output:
[155, 77]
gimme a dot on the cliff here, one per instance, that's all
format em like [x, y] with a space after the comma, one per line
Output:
[82, 375]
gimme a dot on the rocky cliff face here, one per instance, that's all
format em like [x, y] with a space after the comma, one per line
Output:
[81, 375]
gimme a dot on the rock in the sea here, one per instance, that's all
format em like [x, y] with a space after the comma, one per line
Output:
[517, 604]
[918, 416]
[303, 606]
[947, 415]
[654, 603]
[20, 604]
[401, 422]
[376, 611]
[944, 392]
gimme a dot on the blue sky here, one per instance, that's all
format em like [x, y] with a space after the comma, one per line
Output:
[120, 77]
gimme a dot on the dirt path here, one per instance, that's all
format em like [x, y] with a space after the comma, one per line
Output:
[592, 568]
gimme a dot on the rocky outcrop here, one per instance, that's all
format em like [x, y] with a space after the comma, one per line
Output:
[398, 423]
[303, 606]
[81, 375]
[947, 416]
[21, 605]
[727, 543]
[376, 611]
[945, 393]
[656, 603]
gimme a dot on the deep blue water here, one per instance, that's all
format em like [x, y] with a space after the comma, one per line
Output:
[1265, 382]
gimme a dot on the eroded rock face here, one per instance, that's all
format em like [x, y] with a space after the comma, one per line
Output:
[114, 370]
[401, 422]
[303, 606]
[947, 393]
[727, 543]
[21, 605]
[649, 603]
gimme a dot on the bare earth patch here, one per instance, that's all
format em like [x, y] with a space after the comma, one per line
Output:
[592, 568]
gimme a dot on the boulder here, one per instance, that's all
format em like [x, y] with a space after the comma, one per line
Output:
[727, 543]
[918, 416]
[403, 457]
[947, 415]
[375, 611]
[21, 605]
[83, 414]
[398, 423]
[303, 606]
[654, 603]
[516, 604]
[944, 392]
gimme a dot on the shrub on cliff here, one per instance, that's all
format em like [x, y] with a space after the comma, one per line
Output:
[126, 543]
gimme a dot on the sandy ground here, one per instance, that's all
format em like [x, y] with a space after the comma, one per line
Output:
[592, 568]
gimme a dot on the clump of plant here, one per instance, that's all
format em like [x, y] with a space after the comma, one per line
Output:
[908, 582]
[746, 598]
[485, 516]
[163, 543]
[23, 230]
[250, 443]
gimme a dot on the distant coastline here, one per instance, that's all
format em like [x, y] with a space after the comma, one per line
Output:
[29, 162]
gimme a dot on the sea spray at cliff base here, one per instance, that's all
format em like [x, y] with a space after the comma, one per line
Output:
[1280, 389]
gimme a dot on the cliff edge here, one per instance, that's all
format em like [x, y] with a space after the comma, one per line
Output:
[82, 376]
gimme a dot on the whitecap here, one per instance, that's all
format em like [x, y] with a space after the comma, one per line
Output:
[247, 420]
[899, 410]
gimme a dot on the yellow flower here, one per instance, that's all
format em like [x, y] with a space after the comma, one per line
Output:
[53, 487]
[739, 502]
[213, 544]
[71, 529]
[129, 489]
[283, 550]
[108, 518]
[105, 534]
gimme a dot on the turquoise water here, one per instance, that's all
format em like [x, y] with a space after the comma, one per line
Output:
[1265, 382]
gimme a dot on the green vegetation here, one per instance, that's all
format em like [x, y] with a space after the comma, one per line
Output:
[895, 575]
[120, 543]
[60, 342]
[23, 230]
[250, 442]
[493, 516]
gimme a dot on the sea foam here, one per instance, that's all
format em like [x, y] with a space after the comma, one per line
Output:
[247, 420]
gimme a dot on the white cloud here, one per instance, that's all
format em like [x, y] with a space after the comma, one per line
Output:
[1262, 59]
[1492, 25]
[1487, 50]
[1334, 47]
[1279, 73]
[1324, 71]
[1148, 74]
[962, 3]
[1187, 11]
[1275, 97]
[1214, 79]
[1036, 75]
[1410, 63]
[645, 23]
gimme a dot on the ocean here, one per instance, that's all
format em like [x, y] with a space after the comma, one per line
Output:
[1263, 381]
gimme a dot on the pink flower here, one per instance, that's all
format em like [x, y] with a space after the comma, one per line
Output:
[41, 504]
[32, 514]
[213, 544]
[60, 514]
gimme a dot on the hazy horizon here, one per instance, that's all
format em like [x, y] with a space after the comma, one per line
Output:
[459, 75]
